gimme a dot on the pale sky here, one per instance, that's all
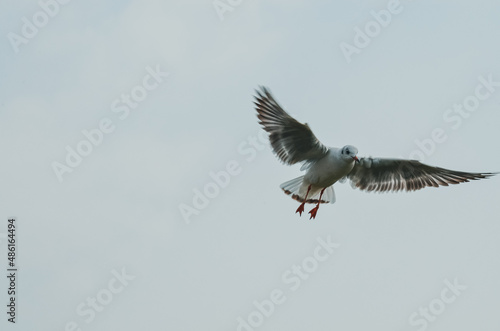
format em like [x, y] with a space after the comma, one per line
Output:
[116, 116]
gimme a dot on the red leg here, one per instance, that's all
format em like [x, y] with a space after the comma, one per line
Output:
[315, 209]
[301, 207]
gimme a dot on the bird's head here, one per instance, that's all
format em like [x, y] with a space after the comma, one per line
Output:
[349, 153]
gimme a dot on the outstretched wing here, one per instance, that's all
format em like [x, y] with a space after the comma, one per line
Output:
[384, 175]
[291, 141]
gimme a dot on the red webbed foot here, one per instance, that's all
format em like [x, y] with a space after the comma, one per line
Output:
[313, 212]
[300, 210]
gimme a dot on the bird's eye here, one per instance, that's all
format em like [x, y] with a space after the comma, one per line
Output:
[347, 151]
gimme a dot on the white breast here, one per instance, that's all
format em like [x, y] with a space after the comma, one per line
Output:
[329, 169]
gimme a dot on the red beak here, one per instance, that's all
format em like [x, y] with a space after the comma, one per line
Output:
[356, 159]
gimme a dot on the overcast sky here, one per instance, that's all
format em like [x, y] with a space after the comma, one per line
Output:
[146, 196]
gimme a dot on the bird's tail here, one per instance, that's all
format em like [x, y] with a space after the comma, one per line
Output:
[297, 190]
[292, 186]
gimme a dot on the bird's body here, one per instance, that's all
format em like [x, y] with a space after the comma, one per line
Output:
[329, 169]
[324, 173]
[294, 142]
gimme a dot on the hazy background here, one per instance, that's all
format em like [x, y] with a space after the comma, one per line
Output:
[120, 207]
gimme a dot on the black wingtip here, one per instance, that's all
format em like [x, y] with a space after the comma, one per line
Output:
[260, 92]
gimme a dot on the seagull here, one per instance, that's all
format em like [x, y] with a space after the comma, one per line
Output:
[294, 142]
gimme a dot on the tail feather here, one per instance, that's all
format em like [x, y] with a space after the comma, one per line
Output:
[297, 190]
[292, 186]
[329, 195]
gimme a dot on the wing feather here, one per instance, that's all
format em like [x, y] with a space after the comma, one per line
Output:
[384, 175]
[291, 140]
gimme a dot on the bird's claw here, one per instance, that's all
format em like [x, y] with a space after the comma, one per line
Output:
[313, 212]
[300, 210]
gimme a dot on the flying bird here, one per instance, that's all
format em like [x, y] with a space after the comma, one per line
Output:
[294, 142]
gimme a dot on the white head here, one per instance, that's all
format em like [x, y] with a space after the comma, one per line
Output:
[349, 153]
